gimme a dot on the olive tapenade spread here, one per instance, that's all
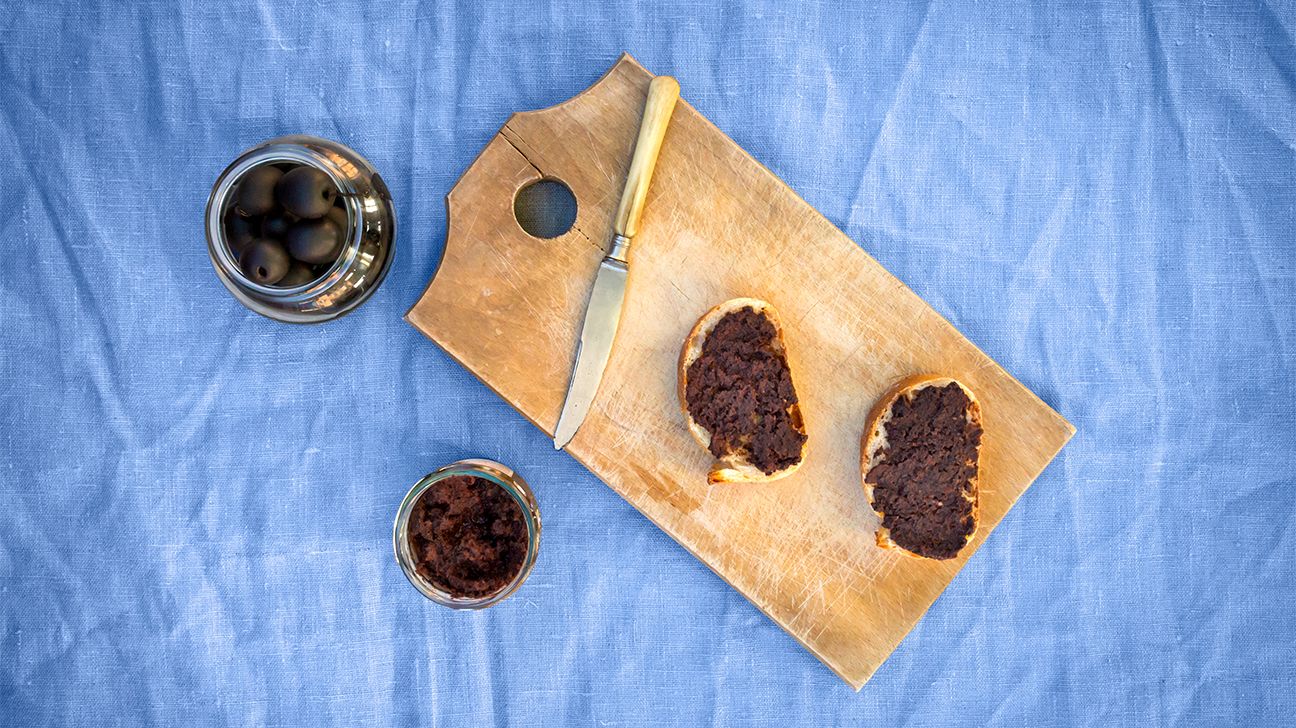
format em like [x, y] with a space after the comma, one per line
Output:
[468, 536]
[740, 390]
[922, 482]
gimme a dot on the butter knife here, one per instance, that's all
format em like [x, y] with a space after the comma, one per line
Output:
[603, 312]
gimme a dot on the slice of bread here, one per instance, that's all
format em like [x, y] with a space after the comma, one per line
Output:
[736, 466]
[875, 451]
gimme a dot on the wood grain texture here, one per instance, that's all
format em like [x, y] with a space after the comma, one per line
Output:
[718, 225]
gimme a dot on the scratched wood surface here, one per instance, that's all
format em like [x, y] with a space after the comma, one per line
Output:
[718, 225]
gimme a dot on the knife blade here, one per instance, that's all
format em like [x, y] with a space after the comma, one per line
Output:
[601, 319]
[603, 312]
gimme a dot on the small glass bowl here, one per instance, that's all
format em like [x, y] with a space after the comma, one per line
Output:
[366, 254]
[498, 474]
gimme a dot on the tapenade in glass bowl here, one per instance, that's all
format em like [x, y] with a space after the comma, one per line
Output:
[467, 535]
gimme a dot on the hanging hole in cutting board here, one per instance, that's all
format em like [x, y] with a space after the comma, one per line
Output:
[545, 208]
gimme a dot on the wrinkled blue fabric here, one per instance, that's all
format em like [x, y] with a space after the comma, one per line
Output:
[196, 502]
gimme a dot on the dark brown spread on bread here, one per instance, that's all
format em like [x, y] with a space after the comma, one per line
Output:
[740, 390]
[468, 536]
[922, 481]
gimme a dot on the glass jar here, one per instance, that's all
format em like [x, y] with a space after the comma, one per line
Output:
[368, 246]
[496, 473]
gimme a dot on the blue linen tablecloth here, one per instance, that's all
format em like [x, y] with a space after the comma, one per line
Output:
[196, 502]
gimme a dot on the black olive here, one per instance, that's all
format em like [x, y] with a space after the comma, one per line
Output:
[239, 231]
[265, 261]
[339, 217]
[277, 223]
[315, 241]
[256, 191]
[306, 192]
[299, 274]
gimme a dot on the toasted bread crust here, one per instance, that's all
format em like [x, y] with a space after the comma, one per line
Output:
[733, 469]
[874, 440]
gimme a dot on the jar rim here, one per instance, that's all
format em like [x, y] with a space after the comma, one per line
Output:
[500, 475]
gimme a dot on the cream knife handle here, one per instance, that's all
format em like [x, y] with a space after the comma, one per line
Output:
[663, 92]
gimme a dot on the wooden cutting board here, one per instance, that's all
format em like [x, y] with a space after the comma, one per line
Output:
[718, 225]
